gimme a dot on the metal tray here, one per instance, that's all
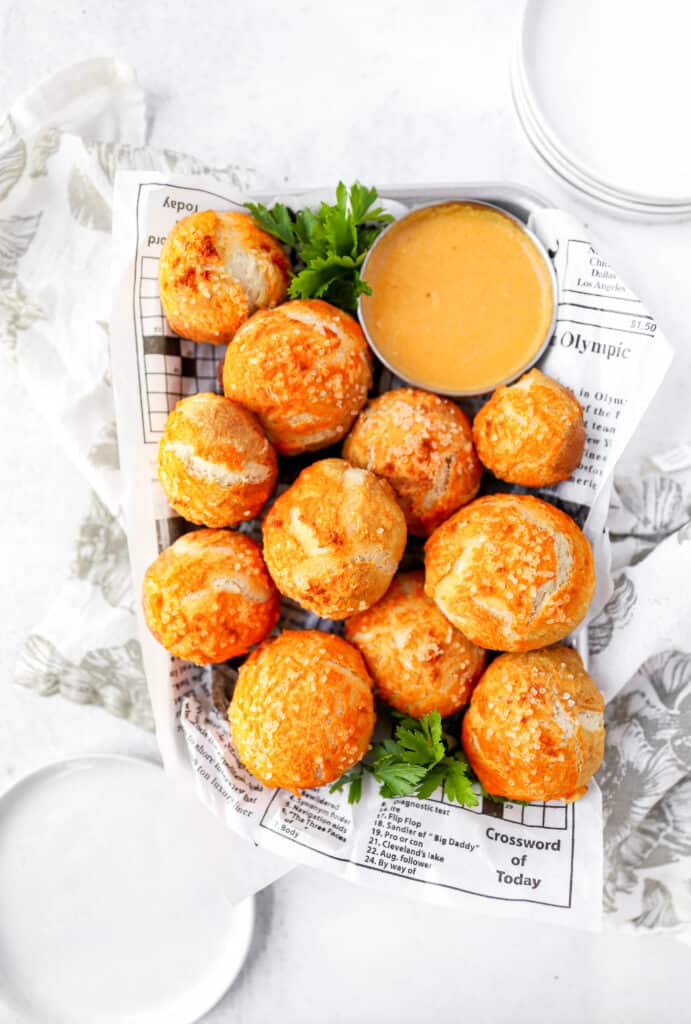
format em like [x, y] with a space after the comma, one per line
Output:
[515, 199]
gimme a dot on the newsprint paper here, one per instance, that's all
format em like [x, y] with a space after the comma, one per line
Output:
[541, 861]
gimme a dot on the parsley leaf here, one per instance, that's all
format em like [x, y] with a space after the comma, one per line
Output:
[340, 231]
[328, 246]
[355, 790]
[457, 785]
[432, 781]
[390, 747]
[309, 235]
[422, 743]
[353, 780]
[361, 200]
[398, 778]
[415, 762]
[277, 221]
[317, 277]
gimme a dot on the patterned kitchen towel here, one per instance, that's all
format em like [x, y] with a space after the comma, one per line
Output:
[59, 149]
[643, 638]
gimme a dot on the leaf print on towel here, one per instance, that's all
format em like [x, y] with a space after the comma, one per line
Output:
[87, 205]
[671, 820]
[41, 666]
[16, 235]
[112, 677]
[645, 774]
[635, 774]
[102, 557]
[664, 836]
[41, 148]
[117, 673]
[616, 614]
[116, 156]
[657, 503]
[646, 720]
[669, 675]
[17, 313]
[104, 451]
[113, 156]
[658, 908]
[684, 535]
[12, 157]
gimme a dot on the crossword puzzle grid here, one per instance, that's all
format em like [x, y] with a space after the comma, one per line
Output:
[551, 815]
[173, 367]
[538, 815]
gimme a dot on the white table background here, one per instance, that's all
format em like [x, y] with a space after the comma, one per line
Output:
[307, 92]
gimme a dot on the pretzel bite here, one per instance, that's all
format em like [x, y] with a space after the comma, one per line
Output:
[535, 727]
[531, 432]
[333, 540]
[215, 270]
[304, 369]
[302, 712]
[511, 572]
[208, 597]
[418, 660]
[214, 461]
[422, 444]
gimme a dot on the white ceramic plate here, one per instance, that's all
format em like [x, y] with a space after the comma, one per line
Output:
[553, 157]
[111, 911]
[607, 87]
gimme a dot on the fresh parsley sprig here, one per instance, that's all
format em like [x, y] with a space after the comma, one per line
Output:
[418, 760]
[327, 247]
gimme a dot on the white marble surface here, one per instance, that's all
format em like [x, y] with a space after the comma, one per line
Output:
[307, 92]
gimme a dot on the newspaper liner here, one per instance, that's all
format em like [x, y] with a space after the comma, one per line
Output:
[542, 862]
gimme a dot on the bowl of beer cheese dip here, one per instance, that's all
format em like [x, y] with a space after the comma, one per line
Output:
[463, 298]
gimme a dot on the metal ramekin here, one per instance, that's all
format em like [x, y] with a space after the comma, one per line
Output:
[548, 334]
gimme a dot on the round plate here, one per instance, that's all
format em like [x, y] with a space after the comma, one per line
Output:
[111, 907]
[604, 91]
[600, 193]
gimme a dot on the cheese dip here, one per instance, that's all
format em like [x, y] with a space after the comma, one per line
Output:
[462, 298]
